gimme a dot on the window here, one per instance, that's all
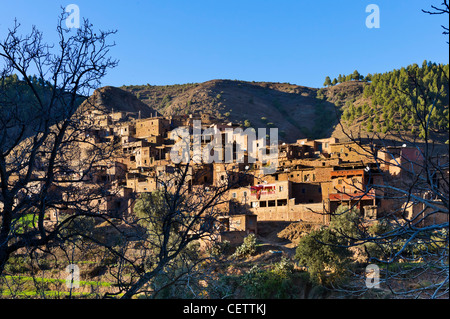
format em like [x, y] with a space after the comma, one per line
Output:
[271, 203]
[263, 203]
[281, 202]
[254, 204]
[339, 181]
[245, 193]
[280, 188]
[234, 195]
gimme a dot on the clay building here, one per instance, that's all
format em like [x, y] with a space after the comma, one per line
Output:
[154, 126]
[277, 201]
[350, 187]
[400, 161]
[352, 152]
[234, 228]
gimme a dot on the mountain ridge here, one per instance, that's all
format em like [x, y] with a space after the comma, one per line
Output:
[295, 110]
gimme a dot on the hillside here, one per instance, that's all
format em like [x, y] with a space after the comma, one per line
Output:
[112, 99]
[372, 106]
[398, 104]
[295, 110]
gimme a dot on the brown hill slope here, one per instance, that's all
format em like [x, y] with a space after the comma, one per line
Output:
[295, 110]
[113, 99]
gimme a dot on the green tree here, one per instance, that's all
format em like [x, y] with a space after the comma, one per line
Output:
[356, 76]
[247, 248]
[345, 221]
[150, 210]
[319, 252]
[326, 248]
[327, 81]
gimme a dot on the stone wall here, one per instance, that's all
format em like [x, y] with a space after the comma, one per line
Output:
[304, 212]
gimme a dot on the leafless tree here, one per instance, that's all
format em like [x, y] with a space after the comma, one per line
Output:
[412, 190]
[443, 9]
[43, 132]
[178, 216]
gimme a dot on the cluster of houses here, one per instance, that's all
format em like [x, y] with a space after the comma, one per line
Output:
[312, 177]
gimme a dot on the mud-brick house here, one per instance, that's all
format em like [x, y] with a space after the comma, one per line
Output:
[401, 161]
[351, 187]
[153, 126]
[425, 212]
[234, 228]
[279, 201]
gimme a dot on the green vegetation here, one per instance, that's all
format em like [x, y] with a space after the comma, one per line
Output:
[22, 283]
[16, 93]
[323, 251]
[324, 118]
[53, 280]
[395, 95]
[247, 248]
[355, 76]
[277, 280]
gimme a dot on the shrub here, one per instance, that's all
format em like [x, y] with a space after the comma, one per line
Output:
[320, 251]
[17, 265]
[247, 248]
[219, 248]
[276, 282]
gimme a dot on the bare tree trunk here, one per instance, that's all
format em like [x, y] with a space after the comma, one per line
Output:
[39, 126]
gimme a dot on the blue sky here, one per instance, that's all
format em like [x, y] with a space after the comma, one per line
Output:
[172, 41]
